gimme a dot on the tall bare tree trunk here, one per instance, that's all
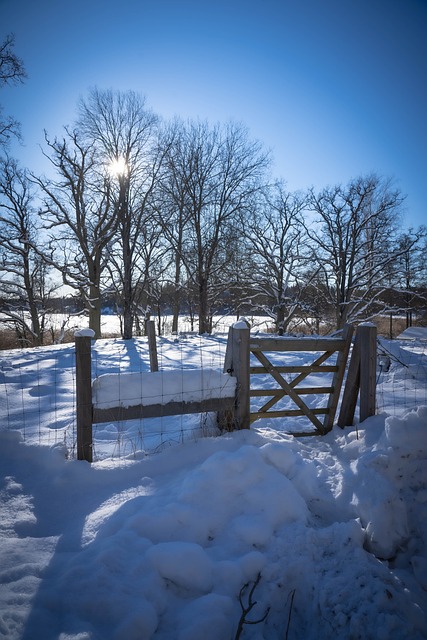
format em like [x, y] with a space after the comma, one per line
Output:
[203, 307]
[94, 306]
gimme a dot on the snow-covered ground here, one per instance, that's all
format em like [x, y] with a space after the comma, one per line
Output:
[414, 333]
[319, 537]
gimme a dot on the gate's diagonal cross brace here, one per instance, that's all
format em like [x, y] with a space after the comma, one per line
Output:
[317, 362]
[295, 381]
[288, 389]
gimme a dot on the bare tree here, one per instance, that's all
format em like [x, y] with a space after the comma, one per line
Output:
[214, 172]
[23, 271]
[173, 213]
[80, 218]
[409, 272]
[280, 254]
[151, 260]
[11, 72]
[355, 241]
[123, 131]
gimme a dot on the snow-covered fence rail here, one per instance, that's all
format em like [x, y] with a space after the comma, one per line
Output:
[133, 396]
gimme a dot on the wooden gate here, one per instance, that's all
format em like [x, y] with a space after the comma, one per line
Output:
[263, 349]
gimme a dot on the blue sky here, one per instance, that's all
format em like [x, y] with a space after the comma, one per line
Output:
[335, 88]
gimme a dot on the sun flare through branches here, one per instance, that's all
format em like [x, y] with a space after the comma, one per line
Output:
[118, 167]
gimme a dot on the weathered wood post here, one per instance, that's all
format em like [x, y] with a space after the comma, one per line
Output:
[239, 338]
[368, 369]
[84, 394]
[352, 386]
[361, 377]
[152, 347]
[338, 377]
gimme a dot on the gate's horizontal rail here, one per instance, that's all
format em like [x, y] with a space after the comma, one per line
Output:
[297, 344]
[302, 391]
[256, 415]
[295, 369]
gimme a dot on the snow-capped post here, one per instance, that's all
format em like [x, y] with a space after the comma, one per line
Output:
[239, 338]
[83, 339]
[368, 369]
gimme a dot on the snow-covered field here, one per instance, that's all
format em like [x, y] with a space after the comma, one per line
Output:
[110, 323]
[328, 533]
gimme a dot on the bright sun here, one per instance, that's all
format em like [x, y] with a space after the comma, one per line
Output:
[118, 167]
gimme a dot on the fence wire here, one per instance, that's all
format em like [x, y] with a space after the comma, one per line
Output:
[401, 375]
[37, 391]
[38, 398]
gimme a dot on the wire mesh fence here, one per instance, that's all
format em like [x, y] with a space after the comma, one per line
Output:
[401, 375]
[37, 390]
[38, 393]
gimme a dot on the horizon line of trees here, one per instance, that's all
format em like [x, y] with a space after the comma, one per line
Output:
[185, 215]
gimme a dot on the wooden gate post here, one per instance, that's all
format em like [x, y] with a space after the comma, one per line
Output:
[240, 357]
[84, 393]
[361, 377]
[352, 386]
[368, 369]
[338, 377]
